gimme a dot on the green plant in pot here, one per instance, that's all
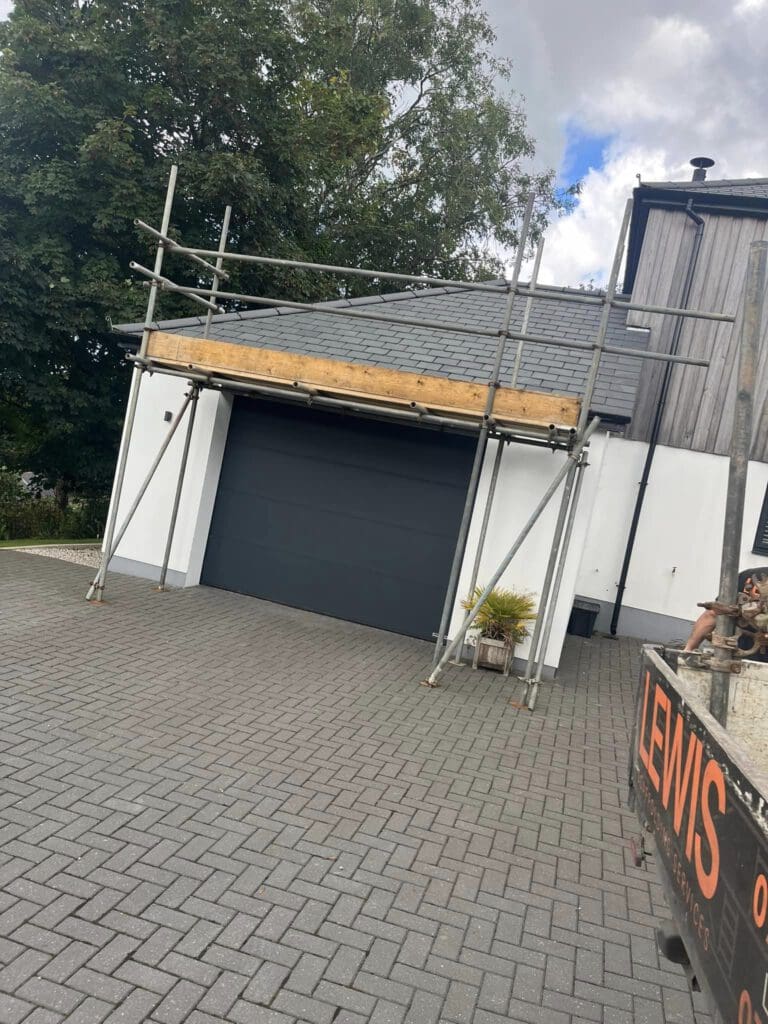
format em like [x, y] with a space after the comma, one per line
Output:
[501, 624]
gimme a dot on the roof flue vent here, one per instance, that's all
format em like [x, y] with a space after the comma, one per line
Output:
[700, 165]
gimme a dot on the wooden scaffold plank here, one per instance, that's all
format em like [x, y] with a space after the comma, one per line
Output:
[357, 380]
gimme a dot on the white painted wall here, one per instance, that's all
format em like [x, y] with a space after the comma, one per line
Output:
[145, 539]
[677, 553]
[676, 560]
[525, 474]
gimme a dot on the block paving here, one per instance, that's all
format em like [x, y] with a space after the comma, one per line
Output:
[217, 809]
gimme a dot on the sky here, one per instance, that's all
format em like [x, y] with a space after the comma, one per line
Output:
[633, 87]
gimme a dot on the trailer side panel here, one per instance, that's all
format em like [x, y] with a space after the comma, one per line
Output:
[708, 816]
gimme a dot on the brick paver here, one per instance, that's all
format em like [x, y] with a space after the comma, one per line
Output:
[217, 809]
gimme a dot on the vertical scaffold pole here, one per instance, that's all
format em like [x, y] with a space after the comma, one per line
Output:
[219, 264]
[549, 572]
[194, 396]
[482, 438]
[527, 314]
[547, 592]
[741, 442]
[97, 587]
[437, 671]
[486, 516]
[563, 558]
[500, 450]
[605, 315]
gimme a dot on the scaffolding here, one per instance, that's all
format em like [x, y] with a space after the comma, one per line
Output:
[489, 412]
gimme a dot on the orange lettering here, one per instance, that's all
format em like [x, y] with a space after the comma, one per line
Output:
[713, 776]
[694, 799]
[642, 751]
[671, 750]
[660, 699]
[673, 757]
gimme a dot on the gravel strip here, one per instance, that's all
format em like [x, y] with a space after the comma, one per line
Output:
[81, 554]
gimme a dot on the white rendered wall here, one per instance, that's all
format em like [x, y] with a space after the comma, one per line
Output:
[676, 559]
[525, 474]
[145, 539]
[677, 552]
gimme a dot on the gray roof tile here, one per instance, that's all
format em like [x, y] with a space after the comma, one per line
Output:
[755, 187]
[459, 356]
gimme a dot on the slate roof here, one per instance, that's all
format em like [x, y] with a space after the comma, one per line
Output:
[756, 188]
[457, 356]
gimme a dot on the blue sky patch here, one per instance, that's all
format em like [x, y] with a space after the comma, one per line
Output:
[582, 151]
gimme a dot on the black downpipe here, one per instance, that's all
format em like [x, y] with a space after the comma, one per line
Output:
[658, 416]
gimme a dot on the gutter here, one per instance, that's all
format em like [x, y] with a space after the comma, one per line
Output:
[658, 415]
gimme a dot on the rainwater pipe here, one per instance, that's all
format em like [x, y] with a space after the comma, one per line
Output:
[658, 416]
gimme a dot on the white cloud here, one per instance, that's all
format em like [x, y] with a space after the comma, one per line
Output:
[579, 248]
[746, 7]
[665, 82]
[6, 6]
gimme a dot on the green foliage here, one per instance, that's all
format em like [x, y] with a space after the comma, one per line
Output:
[368, 132]
[503, 615]
[25, 514]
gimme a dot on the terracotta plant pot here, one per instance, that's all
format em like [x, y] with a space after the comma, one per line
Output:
[495, 654]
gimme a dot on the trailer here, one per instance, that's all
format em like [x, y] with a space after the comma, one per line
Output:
[701, 792]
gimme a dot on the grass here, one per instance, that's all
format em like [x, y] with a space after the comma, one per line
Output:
[29, 542]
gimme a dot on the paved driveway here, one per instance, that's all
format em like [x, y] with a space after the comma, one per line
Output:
[213, 808]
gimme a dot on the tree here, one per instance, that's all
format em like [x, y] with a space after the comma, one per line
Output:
[367, 132]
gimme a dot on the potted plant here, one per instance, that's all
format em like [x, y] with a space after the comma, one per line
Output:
[500, 624]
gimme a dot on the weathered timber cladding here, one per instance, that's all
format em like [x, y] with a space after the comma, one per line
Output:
[700, 403]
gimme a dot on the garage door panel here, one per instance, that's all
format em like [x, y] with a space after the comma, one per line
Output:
[383, 601]
[346, 440]
[363, 581]
[366, 544]
[321, 487]
[352, 518]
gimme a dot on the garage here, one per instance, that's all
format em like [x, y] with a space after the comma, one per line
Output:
[350, 517]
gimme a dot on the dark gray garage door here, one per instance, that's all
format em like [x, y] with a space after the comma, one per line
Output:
[348, 517]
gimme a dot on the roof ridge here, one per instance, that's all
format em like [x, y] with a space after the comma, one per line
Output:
[706, 182]
[363, 300]
[250, 314]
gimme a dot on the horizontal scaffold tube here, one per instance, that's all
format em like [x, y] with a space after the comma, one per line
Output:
[435, 325]
[383, 275]
[168, 243]
[440, 282]
[552, 437]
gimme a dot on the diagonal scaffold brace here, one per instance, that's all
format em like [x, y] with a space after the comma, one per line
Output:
[96, 589]
[573, 458]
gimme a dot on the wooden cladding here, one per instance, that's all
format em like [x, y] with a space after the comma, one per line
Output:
[358, 381]
[698, 413]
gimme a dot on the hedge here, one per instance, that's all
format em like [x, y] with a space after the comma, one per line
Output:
[24, 514]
